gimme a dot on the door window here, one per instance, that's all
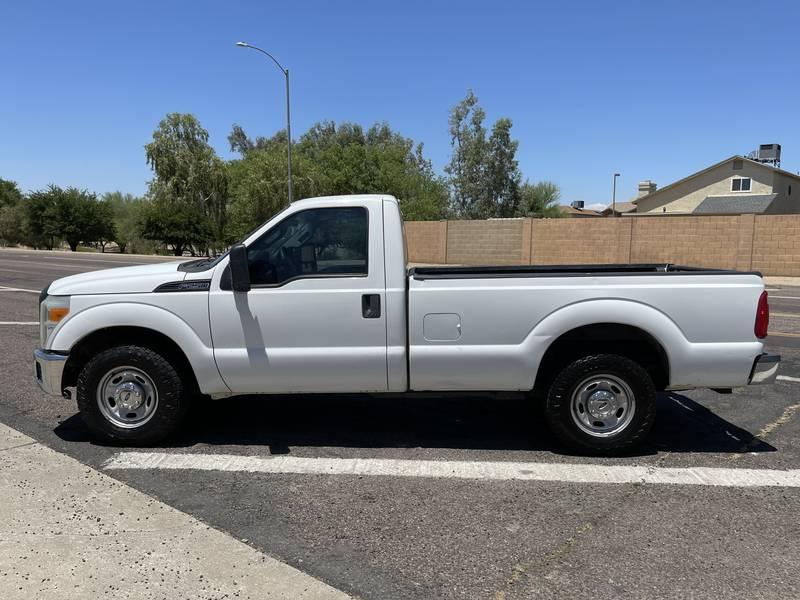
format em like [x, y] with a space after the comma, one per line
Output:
[319, 242]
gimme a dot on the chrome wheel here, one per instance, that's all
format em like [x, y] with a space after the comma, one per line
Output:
[602, 405]
[127, 397]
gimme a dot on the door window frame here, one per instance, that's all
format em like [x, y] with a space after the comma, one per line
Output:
[225, 283]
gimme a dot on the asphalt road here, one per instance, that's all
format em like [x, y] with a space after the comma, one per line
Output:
[421, 537]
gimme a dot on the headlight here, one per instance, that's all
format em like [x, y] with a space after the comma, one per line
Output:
[51, 312]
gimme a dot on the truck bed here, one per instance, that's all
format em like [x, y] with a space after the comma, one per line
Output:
[488, 327]
[497, 271]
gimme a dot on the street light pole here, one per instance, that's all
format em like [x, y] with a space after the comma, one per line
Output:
[288, 113]
[614, 197]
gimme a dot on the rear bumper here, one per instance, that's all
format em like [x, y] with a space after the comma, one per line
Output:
[48, 368]
[765, 369]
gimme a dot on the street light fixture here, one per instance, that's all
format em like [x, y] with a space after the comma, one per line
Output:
[614, 197]
[288, 114]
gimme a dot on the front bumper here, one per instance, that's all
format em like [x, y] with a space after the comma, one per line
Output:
[765, 369]
[48, 370]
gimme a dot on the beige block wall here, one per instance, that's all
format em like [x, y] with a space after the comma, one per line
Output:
[703, 241]
[766, 243]
[580, 241]
[685, 196]
[776, 245]
[426, 241]
[492, 242]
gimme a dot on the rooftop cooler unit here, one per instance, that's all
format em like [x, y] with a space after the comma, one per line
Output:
[767, 153]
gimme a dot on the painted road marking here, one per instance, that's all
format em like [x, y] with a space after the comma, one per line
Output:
[19, 322]
[786, 315]
[784, 334]
[495, 471]
[786, 297]
[787, 378]
[13, 289]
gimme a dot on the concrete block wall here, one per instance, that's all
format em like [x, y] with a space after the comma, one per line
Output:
[570, 241]
[766, 243]
[702, 242]
[776, 245]
[427, 241]
[492, 242]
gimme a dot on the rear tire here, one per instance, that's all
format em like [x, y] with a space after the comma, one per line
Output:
[603, 404]
[131, 395]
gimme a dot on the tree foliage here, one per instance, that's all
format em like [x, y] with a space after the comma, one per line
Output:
[11, 223]
[331, 159]
[539, 200]
[71, 214]
[127, 212]
[189, 192]
[484, 175]
[176, 224]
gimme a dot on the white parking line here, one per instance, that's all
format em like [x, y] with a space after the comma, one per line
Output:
[13, 289]
[786, 297]
[787, 378]
[19, 322]
[496, 471]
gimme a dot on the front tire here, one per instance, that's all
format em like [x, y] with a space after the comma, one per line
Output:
[131, 395]
[603, 404]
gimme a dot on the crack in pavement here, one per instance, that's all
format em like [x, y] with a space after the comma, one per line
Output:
[528, 569]
[768, 429]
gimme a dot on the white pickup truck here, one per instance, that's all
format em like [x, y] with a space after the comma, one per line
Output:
[319, 300]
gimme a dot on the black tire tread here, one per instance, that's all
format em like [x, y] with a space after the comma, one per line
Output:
[560, 393]
[172, 395]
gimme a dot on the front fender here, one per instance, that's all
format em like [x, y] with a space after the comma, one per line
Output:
[146, 316]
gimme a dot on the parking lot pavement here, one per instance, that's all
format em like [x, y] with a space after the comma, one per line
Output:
[440, 536]
[33, 269]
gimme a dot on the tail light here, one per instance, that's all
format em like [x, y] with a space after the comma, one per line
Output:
[762, 316]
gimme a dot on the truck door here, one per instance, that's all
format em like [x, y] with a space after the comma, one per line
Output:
[313, 320]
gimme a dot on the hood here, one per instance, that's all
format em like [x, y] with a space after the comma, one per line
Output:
[122, 280]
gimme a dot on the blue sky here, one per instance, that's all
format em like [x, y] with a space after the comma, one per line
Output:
[649, 89]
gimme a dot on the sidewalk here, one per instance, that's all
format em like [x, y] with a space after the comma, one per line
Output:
[783, 281]
[71, 532]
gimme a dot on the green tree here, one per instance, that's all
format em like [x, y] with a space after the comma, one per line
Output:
[127, 215]
[190, 185]
[11, 218]
[258, 187]
[39, 229]
[469, 159]
[70, 214]
[483, 172]
[502, 171]
[175, 224]
[103, 228]
[331, 159]
[539, 200]
[378, 160]
[10, 194]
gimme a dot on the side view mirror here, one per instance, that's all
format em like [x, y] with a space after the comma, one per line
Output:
[240, 271]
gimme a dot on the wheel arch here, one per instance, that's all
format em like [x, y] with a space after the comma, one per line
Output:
[108, 337]
[605, 338]
[156, 327]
